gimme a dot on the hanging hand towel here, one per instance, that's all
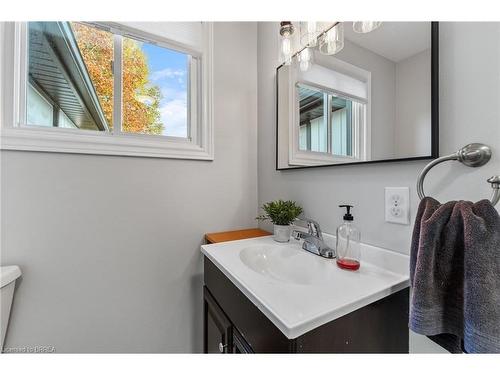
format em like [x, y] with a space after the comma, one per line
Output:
[455, 275]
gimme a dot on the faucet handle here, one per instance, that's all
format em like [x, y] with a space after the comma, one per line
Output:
[313, 227]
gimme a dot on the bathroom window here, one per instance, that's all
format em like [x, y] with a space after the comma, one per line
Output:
[112, 89]
[156, 102]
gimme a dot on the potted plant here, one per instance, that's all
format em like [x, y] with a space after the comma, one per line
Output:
[282, 214]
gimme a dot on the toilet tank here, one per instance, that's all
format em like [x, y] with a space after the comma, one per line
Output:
[8, 277]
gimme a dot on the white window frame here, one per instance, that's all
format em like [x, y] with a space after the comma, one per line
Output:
[16, 135]
[289, 153]
[300, 157]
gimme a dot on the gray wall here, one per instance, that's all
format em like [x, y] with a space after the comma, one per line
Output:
[469, 98]
[383, 102]
[109, 246]
[413, 105]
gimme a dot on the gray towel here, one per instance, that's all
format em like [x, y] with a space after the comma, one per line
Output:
[455, 275]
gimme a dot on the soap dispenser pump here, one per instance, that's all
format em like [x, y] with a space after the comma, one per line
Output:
[348, 242]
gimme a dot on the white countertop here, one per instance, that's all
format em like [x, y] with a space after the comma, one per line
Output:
[306, 291]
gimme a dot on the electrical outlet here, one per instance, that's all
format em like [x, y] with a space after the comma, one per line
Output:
[397, 205]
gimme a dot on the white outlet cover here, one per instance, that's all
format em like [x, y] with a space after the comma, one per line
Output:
[397, 205]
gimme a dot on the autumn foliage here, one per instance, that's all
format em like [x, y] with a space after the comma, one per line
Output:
[141, 99]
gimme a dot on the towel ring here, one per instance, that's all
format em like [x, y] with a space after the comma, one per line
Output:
[472, 155]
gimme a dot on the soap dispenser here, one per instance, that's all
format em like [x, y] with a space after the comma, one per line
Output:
[348, 242]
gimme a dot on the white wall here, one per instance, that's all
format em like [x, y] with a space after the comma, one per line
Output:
[463, 72]
[109, 246]
[413, 105]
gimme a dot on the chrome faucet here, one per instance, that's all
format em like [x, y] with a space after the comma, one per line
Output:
[313, 239]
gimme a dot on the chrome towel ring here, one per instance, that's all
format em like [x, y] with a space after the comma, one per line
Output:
[472, 155]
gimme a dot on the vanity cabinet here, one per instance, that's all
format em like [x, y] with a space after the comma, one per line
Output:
[217, 329]
[219, 335]
[233, 324]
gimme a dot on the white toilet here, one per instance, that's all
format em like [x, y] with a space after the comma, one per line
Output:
[8, 277]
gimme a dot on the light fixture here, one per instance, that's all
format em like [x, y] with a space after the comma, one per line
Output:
[364, 27]
[308, 33]
[332, 41]
[329, 36]
[305, 59]
[286, 31]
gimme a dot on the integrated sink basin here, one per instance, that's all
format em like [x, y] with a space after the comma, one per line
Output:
[299, 291]
[286, 263]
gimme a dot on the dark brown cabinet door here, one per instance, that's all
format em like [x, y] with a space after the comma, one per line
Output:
[217, 329]
[240, 346]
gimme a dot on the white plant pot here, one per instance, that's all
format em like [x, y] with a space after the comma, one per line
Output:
[282, 233]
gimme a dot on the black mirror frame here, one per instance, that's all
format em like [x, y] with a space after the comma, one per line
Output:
[434, 113]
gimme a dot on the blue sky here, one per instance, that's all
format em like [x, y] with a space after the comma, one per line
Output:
[168, 70]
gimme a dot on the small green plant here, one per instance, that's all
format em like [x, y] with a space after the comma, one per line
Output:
[280, 212]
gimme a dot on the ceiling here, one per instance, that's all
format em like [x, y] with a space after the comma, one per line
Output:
[395, 41]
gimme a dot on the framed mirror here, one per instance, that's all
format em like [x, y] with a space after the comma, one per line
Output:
[376, 100]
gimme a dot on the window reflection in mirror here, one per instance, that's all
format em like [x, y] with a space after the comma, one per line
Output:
[328, 123]
[313, 132]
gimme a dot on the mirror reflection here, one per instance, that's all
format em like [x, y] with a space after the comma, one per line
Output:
[364, 97]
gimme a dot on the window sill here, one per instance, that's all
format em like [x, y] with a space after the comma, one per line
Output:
[302, 159]
[96, 143]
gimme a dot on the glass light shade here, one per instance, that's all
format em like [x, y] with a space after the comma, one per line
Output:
[286, 50]
[308, 33]
[305, 59]
[332, 41]
[364, 27]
